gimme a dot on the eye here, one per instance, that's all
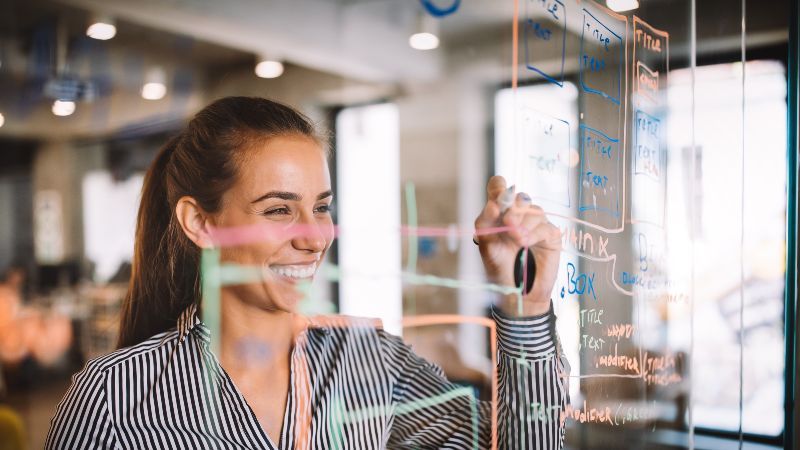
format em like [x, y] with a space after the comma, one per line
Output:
[323, 209]
[276, 211]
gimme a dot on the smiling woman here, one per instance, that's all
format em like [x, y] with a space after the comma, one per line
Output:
[283, 180]
[279, 379]
[192, 183]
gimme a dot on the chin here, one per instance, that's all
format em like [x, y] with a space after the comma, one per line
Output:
[284, 291]
[286, 296]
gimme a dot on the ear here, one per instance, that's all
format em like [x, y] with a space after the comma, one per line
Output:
[194, 222]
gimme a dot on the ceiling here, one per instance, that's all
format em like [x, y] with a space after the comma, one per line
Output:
[334, 36]
[362, 42]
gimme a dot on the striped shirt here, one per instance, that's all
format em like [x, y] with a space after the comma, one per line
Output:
[352, 387]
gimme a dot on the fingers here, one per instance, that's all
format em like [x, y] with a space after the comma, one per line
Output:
[529, 225]
[490, 216]
[521, 219]
[522, 199]
[495, 187]
[546, 236]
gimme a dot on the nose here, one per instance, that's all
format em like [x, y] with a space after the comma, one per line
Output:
[310, 236]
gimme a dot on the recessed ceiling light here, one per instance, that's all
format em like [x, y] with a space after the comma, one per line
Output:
[425, 34]
[63, 108]
[269, 68]
[153, 91]
[423, 41]
[154, 87]
[622, 5]
[102, 28]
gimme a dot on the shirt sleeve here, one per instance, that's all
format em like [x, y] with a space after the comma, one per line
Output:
[82, 418]
[533, 382]
[431, 412]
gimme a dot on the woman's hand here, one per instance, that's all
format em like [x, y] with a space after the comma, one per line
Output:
[527, 227]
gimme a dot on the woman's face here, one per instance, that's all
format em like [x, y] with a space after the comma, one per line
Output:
[284, 184]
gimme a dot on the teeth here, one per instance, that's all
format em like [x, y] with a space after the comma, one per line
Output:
[295, 271]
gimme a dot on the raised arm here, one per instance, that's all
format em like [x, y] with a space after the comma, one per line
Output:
[532, 374]
[432, 412]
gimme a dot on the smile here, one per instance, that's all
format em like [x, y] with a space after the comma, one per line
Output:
[296, 272]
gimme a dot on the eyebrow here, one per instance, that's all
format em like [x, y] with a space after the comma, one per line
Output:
[291, 196]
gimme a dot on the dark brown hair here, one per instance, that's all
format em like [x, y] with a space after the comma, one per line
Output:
[200, 162]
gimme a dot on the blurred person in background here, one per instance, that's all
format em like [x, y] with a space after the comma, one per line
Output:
[29, 330]
[13, 344]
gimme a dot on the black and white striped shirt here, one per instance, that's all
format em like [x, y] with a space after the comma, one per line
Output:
[353, 386]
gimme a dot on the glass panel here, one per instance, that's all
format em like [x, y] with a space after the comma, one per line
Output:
[651, 133]
[719, 235]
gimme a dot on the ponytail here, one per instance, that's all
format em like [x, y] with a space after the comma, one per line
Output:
[153, 301]
[201, 163]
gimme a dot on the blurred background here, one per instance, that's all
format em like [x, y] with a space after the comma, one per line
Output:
[420, 98]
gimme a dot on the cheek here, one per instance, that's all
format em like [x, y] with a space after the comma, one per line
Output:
[251, 254]
[329, 233]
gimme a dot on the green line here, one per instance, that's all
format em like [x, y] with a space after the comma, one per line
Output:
[411, 211]
[372, 412]
[211, 282]
[413, 242]
[432, 280]
[473, 406]
[237, 274]
[335, 423]
[427, 402]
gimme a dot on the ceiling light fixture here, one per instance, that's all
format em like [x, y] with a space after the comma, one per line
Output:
[425, 37]
[102, 28]
[63, 108]
[423, 41]
[2, 120]
[269, 67]
[622, 5]
[154, 87]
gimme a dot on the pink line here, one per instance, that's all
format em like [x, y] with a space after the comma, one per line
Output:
[406, 230]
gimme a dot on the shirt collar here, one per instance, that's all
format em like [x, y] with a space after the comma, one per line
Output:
[189, 320]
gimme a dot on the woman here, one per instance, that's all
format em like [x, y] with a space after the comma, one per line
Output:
[245, 162]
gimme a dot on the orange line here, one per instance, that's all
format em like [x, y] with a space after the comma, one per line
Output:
[515, 46]
[638, 20]
[445, 319]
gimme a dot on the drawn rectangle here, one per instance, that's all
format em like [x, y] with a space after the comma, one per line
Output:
[541, 31]
[543, 156]
[601, 59]
[647, 82]
[599, 187]
[650, 62]
[646, 143]
[648, 199]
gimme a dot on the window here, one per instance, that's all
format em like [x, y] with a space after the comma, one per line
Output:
[736, 234]
[368, 177]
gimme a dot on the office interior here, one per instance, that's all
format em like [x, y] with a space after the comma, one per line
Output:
[419, 99]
